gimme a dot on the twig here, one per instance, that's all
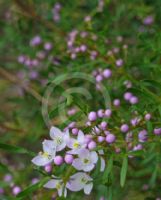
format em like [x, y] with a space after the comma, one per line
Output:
[15, 80]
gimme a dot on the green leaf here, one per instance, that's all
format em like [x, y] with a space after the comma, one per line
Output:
[9, 198]
[15, 149]
[149, 126]
[153, 177]
[33, 188]
[108, 170]
[123, 171]
[4, 168]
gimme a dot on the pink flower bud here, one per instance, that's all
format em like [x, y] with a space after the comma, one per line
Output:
[16, 190]
[92, 145]
[124, 128]
[68, 158]
[100, 139]
[75, 131]
[92, 116]
[58, 160]
[107, 73]
[108, 113]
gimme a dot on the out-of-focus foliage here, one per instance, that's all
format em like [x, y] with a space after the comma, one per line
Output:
[22, 86]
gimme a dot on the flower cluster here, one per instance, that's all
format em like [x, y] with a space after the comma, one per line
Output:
[77, 154]
[80, 151]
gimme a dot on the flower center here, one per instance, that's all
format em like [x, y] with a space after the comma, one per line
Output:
[76, 145]
[46, 155]
[83, 180]
[86, 161]
[58, 140]
[58, 186]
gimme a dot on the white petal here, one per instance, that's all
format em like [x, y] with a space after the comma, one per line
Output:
[49, 147]
[74, 151]
[88, 168]
[74, 183]
[60, 191]
[66, 136]
[70, 142]
[61, 146]
[101, 152]
[88, 188]
[74, 186]
[41, 160]
[77, 163]
[55, 132]
[80, 137]
[94, 157]
[51, 184]
[83, 153]
[102, 165]
[65, 192]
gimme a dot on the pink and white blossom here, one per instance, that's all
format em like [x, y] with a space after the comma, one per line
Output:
[80, 181]
[86, 160]
[57, 184]
[48, 154]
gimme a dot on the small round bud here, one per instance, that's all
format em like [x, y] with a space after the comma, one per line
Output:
[68, 158]
[143, 136]
[103, 125]
[100, 113]
[16, 190]
[134, 100]
[99, 78]
[92, 145]
[92, 116]
[127, 96]
[124, 128]
[147, 117]
[75, 131]
[119, 62]
[48, 168]
[110, 138]
[47, 46]
[157, 131]
[107, 73]
[116, 102]
[108, 113]
[100, 139]
[58, 160]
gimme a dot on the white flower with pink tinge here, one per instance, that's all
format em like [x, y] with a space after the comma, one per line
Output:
[57, 184]
[77, 144]
[80, 181]
[86, 160]
[48, 154]
[60, 138]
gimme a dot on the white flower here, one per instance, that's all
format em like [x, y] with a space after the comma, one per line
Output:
[60, 138]
[47, 155]
[76, 144]
[57, 184]
[86, 160]
[80, 181]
